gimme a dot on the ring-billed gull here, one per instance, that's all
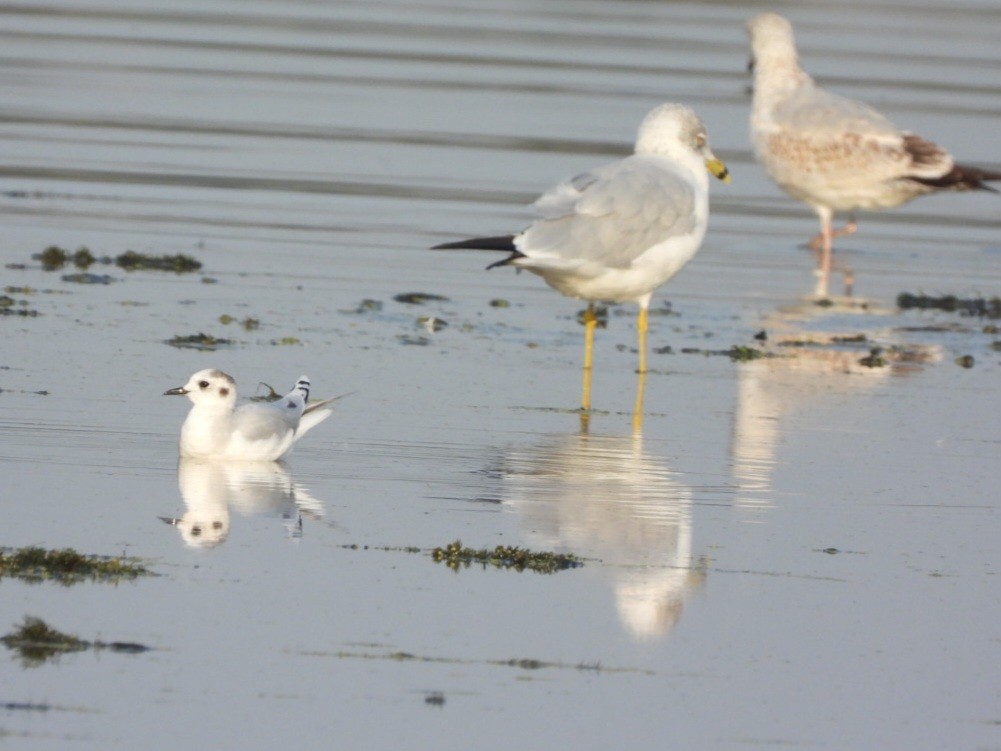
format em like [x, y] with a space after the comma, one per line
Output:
[834, 153]
[618, 232]
[216, 429]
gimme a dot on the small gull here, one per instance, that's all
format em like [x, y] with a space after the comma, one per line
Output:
[836, 154]
[618, 232]
[216, 429]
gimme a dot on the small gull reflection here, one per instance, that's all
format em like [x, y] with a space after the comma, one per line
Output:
[604, 497]
[210, 488]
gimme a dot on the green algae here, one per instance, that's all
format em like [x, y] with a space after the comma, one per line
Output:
[36, 642]
[519, 663]
[130, 260]
[66, 566]
[419, 298]
[455, 556]
[980, 307]
[204, 342]
[54, 258]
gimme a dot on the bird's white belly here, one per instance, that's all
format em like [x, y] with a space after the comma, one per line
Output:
[654, 268]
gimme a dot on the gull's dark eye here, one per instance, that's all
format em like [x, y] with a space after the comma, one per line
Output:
[203, 384]
[700, 140]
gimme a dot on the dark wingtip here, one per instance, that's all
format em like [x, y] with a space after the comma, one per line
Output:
[505, 261]
[500, 242]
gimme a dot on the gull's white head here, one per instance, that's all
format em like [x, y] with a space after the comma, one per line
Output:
[209, 388]
[772, 43]
[674, 130]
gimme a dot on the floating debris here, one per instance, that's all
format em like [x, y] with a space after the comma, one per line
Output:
[203, 342]
[11, 307]
[286, 341]
[366, 306]
[432, 324]
[977, 306]
[435, 699]
[35, 641]
[248, 323]
[413, 341]
[498, 302]
[179, 264]
[737, 353]
[519, 663]
[966, 361]
[66, 566]
[85, 277]
[54, 258]
[419, 298]
[454, 555]
[874, 359]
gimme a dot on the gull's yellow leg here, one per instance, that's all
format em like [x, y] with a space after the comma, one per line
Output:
[590, 323]
[642, 326]
[638, 407]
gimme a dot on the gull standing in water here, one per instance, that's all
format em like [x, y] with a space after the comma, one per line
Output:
[834, 153]
[216, 429]
[618, 232]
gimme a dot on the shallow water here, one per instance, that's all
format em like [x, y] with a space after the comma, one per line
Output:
[797, 551]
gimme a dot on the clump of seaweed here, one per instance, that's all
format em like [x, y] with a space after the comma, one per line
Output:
[66, 566]
[11, 307]
[85, 277]
[249, 323]
[130, 260]
[200, 341]
[737, 353]
[875, 359]
[54, 258]
[418, 298]
[965, 361]
[455, 556]
[980, 307]
[35, 641]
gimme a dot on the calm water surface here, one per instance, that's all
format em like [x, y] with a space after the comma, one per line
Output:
[794, 552]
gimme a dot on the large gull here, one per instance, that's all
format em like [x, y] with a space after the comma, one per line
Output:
[618, 232]
[836, 154]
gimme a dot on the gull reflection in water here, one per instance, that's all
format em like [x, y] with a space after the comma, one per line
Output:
[604, 497]
[210, 488]
[816, 353]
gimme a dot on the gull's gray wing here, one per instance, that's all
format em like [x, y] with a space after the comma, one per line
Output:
[613, 214]
[255, 422]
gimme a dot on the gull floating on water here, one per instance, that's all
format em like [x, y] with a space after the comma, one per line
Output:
[216, 429]
[834, 153]
[618, 232]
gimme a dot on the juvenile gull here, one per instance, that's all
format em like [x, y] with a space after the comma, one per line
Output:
[834, 153]
[216, 429]
[618, 232]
